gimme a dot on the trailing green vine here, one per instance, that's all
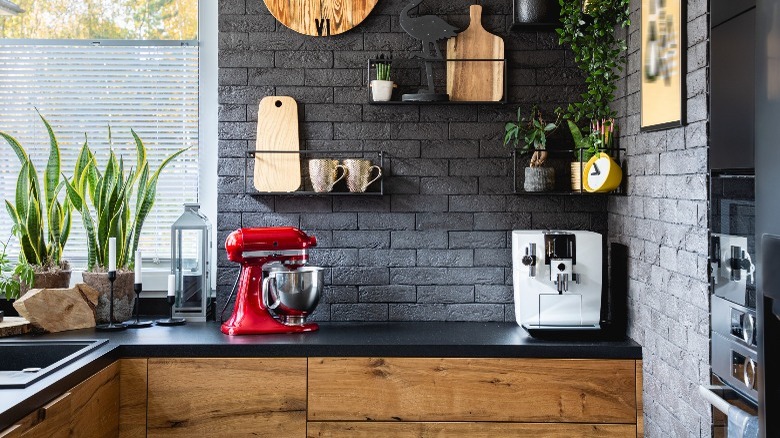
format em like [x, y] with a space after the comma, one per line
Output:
[598, 52]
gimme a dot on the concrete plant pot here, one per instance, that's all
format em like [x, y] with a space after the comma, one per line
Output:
[382, 91]
[123, 294]
[54, 279]
[539, 179]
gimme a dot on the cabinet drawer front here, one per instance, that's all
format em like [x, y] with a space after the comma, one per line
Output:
[236, 397]
[371, 429]
[514, 390]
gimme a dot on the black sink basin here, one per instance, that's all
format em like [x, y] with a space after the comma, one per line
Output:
[24, 362]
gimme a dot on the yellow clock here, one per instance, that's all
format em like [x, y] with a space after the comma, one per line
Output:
[601, 174]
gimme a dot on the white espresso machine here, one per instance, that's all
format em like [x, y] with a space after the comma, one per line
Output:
[557, 278]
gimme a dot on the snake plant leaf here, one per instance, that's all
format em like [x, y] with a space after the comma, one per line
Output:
[140, 150]
[82, 162]
[52, 171]
[166, 161]
[12, 213]
[18, 149]
[56, 217]
[33, 224]
[28, 250]
[142, 183]
[92, 244]
[23, 191]
[67, 223]
[73, 195]
[142, 211]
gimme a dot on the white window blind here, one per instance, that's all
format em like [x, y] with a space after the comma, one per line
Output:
[151, 87]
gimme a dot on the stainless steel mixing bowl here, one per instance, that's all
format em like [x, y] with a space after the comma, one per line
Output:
[294, 294]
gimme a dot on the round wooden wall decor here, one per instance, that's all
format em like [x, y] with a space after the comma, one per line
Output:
[320, 17]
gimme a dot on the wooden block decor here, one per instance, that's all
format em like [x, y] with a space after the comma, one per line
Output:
[57, 310]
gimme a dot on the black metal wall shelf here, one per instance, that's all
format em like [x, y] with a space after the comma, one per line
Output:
[503, 101]
[376, 188]
[614, 152]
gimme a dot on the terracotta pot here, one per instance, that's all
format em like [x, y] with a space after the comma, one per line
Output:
[123, 294]
[55, 279]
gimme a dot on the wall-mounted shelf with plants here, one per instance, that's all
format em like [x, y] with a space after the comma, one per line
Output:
[593, 163]
[390, 79]
[562, 160]
[326, 173]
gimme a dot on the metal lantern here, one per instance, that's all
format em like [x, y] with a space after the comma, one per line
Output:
[190, 250]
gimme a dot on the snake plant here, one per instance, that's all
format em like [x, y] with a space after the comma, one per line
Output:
[41, 222]
[104, 201]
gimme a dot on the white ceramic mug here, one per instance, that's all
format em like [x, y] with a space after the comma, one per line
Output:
[323, 173]
[358, 174]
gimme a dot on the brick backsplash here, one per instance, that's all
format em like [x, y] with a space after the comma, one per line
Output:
[663, 220]
[437, 245]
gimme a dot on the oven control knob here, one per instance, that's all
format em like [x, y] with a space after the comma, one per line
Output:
[748, 329]
[749, 373]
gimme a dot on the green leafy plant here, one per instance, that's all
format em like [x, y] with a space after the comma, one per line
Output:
[383, 67]
[11, 275]
[103, 199]
[590, 30]
[598, 138]
[40, 221]
[533, 131]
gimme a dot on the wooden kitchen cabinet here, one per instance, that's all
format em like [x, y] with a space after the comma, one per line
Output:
[412, 397]
[230, 397]
[372, 429]
[89, 410]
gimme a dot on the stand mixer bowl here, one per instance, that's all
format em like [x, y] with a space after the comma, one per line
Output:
[294, 294]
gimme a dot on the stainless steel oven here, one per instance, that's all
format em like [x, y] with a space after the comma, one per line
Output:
[733, 280]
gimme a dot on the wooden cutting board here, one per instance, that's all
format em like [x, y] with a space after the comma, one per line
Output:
[13, 326]
[320, 17]
[477, 80]
[277, 130]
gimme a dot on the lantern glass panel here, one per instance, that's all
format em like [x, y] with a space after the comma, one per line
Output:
[190, 249]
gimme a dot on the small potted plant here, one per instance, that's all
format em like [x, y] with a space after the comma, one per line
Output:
[599, 138]
[533, 131]
[12, 275]
[382, 86]
[104, 201]
[40, 221]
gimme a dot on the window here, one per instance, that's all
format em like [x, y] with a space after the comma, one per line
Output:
[90, 64]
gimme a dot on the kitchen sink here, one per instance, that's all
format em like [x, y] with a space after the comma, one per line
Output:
[25, 362]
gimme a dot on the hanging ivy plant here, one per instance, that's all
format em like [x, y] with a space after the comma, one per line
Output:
[590, 28]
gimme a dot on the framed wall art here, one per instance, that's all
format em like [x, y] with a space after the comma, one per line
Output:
[663, 64]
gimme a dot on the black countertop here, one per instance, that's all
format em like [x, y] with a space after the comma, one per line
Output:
[418, 339]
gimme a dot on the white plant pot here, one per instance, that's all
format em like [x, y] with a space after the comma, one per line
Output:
[381, 91]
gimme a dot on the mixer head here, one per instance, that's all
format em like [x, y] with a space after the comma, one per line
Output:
[259, 245]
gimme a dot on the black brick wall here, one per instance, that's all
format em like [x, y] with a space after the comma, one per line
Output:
[437, 245]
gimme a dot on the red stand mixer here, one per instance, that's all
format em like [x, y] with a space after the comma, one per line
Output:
[276, 288]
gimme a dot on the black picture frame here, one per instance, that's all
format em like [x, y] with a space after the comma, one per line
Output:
[675, 8]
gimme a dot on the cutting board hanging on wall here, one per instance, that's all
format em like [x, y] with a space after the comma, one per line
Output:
[320, 17]
[277, 130]
[475, 80]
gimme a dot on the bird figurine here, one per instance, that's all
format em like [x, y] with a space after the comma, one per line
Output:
[426, 28]
[429, 29]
